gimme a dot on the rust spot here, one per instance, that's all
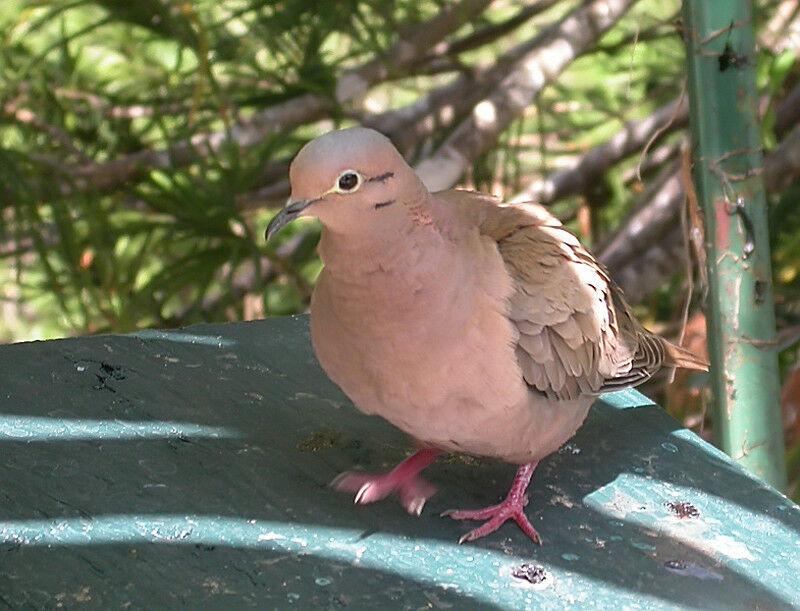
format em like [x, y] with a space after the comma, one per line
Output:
[723, 226]
[529, 572]
[683, 509]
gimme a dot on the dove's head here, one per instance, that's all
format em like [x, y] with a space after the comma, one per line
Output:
[351, 180]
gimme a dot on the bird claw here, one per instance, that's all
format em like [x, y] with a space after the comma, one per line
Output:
[495, 516]
[414, 507]
[413, 491]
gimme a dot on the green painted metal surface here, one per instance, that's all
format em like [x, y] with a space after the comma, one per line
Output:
[726, 144]
[190, 468]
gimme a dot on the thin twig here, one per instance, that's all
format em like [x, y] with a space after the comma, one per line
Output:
[28, 117]
[661, 130]
[587, 169]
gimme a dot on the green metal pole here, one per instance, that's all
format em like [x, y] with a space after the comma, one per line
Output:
[726, 144]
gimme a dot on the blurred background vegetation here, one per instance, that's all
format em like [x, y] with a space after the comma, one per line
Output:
[144, 146]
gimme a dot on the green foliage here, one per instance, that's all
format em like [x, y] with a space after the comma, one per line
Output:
[180, 242]
[105, 79]
[120, 212]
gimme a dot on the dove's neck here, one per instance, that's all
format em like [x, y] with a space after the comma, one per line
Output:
[401, 236]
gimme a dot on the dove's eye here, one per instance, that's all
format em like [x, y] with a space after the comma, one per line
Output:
[348, 181]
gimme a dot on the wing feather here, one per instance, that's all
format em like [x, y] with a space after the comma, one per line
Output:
[576, 334]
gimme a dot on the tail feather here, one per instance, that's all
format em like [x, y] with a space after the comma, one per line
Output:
[680, 357]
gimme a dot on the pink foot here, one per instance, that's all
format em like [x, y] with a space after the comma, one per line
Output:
[496, 515]
[404, 480]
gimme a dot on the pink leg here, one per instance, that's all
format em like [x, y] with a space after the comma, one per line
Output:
[509, 509]
[403, 479]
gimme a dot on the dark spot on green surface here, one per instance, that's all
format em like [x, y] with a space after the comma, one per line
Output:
[530, 572]
[106, 372]
[112, 371]
[205, 548]
[320, 440]
[729, 58]
[683, 509]
[675, 565]
[460, 459]
[759, 289]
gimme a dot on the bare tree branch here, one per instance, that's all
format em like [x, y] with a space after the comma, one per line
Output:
[654, 160]
[783, 165]
[444, 57]
[788, 113]
[445, 106]
[490, 33]
[413, 44]
[118, 111]
[782, 31]
[27, 117]
[589, 168]
[407, 125]
[642, 253]
[666, 28]
[540, 61]
[655, 213]
[106, 176]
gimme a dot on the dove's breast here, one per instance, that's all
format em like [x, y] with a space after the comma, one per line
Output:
[430, 348]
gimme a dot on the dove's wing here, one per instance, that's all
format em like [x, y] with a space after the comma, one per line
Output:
[577, 335]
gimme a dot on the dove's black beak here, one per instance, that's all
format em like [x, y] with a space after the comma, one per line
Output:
[289, 212]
